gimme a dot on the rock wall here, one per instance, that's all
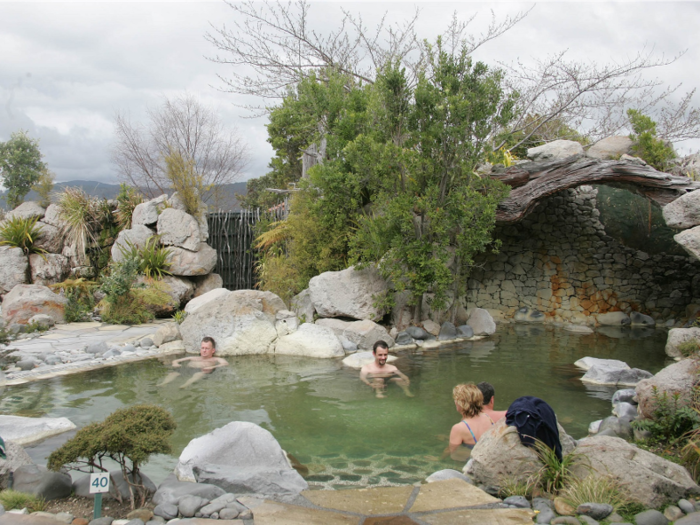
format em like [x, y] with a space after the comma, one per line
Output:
[561, 261]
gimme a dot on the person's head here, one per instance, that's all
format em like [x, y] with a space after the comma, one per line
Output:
[468, 399]
[381, 352]
[207, 347]
[487, 390]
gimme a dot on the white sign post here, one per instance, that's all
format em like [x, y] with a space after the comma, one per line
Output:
[99, 483]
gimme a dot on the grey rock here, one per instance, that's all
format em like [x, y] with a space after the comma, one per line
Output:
[520, 502]
[311, 340]
[610, 147]
[137, 236]
[647, 478]
[302, 305]
[615, 426]
[146, 213]
[44, 322]
[53, 360]
[166, 510]
[156, 520]
[416, 332]
[128, 348]
[625, 410]
[97, 348]
[207, 283]
[228, 513]
[348, 293]
[606, 376]
[16, 457]
[626, 395]
[27, 364]
[676, 378]
[542, 504]
[672, 513]
[586, 363]
[25, 301]
[444, 474]
[112, 352]
[565, 520]
[188, 263]
[251, 480]
[166, 333]
[27, 210]
[48, 268]
[135, 521]
[146, 342]
[690, 519]
[686, 506]
[348, 345]
[178, 228]
[678, 336]
[546, 516]
[465, 331]
[555, 150]
[637, 319]
[597, 511]
[650, 517]
[363, 333]
[14, 268]
[106, 520]
[587, 520]
[172, 490]
[481, 322]
[447, 331]
[33, 479]
[684, 212]
[614, 319]
[528, 315]
[578, 328]
[189, 505]
[211, 508]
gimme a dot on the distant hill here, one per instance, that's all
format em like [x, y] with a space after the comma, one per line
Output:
[227, 200]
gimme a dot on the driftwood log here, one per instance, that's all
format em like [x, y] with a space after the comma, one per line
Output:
[533, 181]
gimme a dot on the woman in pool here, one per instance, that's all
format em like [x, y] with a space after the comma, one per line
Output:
[469, 402]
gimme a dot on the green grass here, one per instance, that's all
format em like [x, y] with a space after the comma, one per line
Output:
[12, 499]
[595, 489]
[21, 233]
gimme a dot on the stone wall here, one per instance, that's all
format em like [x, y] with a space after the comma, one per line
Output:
[561, 261]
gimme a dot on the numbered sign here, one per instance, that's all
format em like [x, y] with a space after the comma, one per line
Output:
[99, 483]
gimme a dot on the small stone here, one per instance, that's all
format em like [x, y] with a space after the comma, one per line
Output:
[616, 518]
[246, 515]
[686, 506]
[156, 520]
[690, 519]
[672, 513]
[189, 505]
[650, 517]
[66, 517]
[626, 395]
[166, 510]
[597, 511]
[142, 514]
[80, 521]
[146, 342]
[546, 516]
[417, 332]
[565, 520]
[128, 348]
[587, 520]
[97, 348]
[563, 508]
[228, 513]
[465, 331]
[402, 338]
[105, 520]
[520, 502]
[541, 503]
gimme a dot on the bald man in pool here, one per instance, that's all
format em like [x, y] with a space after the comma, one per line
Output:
[206, 362]
[375, 373]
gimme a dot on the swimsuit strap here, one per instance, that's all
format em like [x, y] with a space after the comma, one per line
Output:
[492, 423]
[470, 431]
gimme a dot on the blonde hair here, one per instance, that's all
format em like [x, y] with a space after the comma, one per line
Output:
[469, 399]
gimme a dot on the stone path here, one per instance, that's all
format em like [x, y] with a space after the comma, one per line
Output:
[74, 338]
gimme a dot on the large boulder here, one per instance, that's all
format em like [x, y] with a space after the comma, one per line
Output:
[217, 294]
[37, 480]
[481, 322]
[207, 283]
[312, 341]
[499, 455]
[647, 478]
[678, 336]
[27, 430]
[50, 238]
[600, 375]
[240, 458]
[48, 268]
[27, 210]
[137, 236]
[614, 319]
[684, 212]
[302, 306]
[363, 333]
[166, 334]
[690, 241]
[242, 322]
[611, 148]
[52, 216]
[348, 293]
[14, 267]
[146, 213]
[24, 301]
[677, 378]
[586, 363]
[177, 228]
[556, 150]
[188, 263]
[16, 457]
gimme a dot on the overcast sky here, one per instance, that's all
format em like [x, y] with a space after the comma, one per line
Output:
[66, 68]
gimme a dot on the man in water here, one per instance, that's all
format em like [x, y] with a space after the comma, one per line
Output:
[489, 392]
[206, 362]
[375, 373]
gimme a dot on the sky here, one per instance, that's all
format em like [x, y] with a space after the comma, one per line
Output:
[67, 68]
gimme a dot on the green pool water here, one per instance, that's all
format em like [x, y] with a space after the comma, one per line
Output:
[321, 413]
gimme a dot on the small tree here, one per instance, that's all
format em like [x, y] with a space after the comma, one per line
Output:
[128, 436]
[44, 186]
[183, 177]
[20, 166]
[655, 151]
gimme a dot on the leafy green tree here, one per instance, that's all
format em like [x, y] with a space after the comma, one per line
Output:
[655, 151]
[20, 166]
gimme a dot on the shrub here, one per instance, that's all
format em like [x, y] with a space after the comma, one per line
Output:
[647, 146]
[127, 199]
[21, 233]
[669, 421]
[81, 302]
[689, 348]
[128, 436]
[179, 316]
[595, 489]
[82, 216]
[12, 499]
[153, 258]
[183, 177]
[44, 186]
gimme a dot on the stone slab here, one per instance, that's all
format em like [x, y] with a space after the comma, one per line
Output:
[448, 494]
[390, 520]
[78, 326]
[273, 513]
[480, 516]
[26, 430]
[27, 519]
[378, 500]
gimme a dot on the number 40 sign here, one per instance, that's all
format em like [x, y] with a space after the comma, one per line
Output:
[99, 483]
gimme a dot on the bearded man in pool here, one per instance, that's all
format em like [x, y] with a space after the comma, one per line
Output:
[206, 362]
[374, 374]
